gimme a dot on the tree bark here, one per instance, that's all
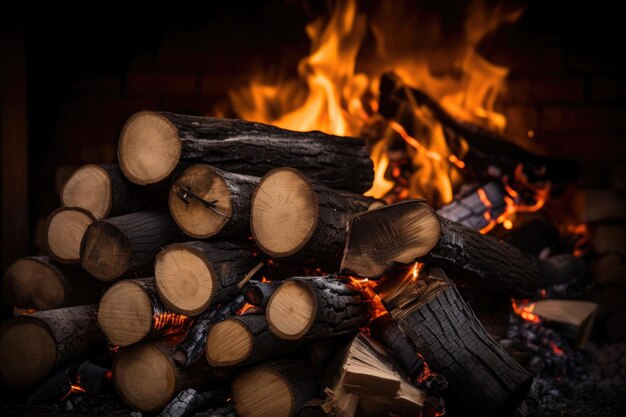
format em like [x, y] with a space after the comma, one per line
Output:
[188, 401]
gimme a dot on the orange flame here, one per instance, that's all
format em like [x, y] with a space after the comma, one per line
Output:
[366, 287]
[525, 310]
[246, 307]
[23, 311]
[173, 321]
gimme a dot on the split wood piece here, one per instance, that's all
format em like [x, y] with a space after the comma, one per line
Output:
[362, 378]
[127, 244]
[316, 307]
[41, 283]
[300, 221]
[31, 346]
[571, 318]
[104, 191]
[64, 232]
[190, 349]
[193, 275]
[411, 230]
[146, 377]
[259, 293]
[243, 341]
[483, 379]
[188, 401]
[278, 388]
[130, 311]
[152, 144]
[208, 202]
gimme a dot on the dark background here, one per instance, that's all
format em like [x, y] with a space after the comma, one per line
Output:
[69, 79]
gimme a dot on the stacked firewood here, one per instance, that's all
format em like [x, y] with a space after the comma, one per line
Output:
[271, 283]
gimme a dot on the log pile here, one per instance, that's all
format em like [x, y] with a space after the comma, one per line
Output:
[185, 300]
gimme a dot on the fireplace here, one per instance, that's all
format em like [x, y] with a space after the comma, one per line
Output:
[451, 241]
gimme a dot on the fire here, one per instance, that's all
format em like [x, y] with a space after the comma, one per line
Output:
[525, 310]
[366, 287]
[246, 307]
[169, 320]
[23, 311]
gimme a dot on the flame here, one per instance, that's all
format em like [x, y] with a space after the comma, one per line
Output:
[246, 307]
[525, 310]
[17, 311]
[366, 287]
[170, 322]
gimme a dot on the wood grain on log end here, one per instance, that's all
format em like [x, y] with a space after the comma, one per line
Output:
[105, 251]
[229, 343]
[34, 283]
[291, 310]
[64, 232]
[90, 188]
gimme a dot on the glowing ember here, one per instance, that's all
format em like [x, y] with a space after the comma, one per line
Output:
[246, 307]
[23, 311]
[366, 287]
[169, 320]
[426, 373]
[525, 310]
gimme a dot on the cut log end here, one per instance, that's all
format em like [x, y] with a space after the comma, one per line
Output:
[27, 353]
[284, 212]
[184, 280]
[89, 187]
[33, 283]
[149, 148]
[229, 343]
[263, 392]
[398, 233]
[64, 232]
[144, 378]
[194, 218]
[105, 251]
[125, 313]
[291, 310]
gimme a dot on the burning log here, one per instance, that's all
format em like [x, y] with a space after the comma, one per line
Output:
[300, 221]
[190, 349]
[64, 232]
[130, 311]
[152, 144]
[243, 341]
[47, 339]
[104, 191]
[208, 202]
[277, 388]
[41, 283]
[127, 244]
[193, 275]
[312, 308]
[483, 379]
[478, 210]
[92, 377]
[188, 401]
[259, 293]
[411, 230]
[147, 378]
[360, 378]
[486, 148]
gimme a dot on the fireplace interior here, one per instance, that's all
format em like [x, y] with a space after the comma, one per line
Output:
[290, 208]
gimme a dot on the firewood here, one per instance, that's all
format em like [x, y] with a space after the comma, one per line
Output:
[300, 221]
[64, 232]
[188, 401]
[41, 283]
[278, 388]
[193, 275]
[362, 378]
[147, 378]
[152, 144]
[259, 293]
[208, 202]
[104, 191]
[190, 349]
[31, 346]
[243, 341]
[411, 230]
[479, 209]
[127, 244]
[483, 379]
[93, 378]
[130, 311]
[573, 319]
[316, 307]
[52, 389]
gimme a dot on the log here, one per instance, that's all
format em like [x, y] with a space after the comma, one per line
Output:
[152, 144]
[245, 340]
[147, 378]
[93, 378]
[41, 283]
[190, 349]
[193, 275]
[127, 244]
[64, 232]
[411, 231]
[478, 210]
[311, 308]
[52, 389]
[131, 311]
[31, 346]
[483, 379]
[278, 388]
[208, 202]
[362, 378]
[300, 221]
[104, 191]
[259, 293]
[188, 401]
